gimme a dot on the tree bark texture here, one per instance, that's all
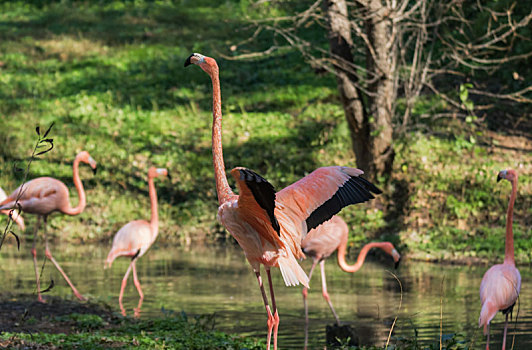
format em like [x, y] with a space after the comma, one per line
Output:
[369, 116]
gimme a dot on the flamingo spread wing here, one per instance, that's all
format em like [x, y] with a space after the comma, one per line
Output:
[323, 193]
[263, 192]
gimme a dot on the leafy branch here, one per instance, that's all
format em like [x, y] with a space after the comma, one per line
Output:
[42, 146]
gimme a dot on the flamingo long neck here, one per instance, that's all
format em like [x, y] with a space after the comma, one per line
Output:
[509, 247]
[222, 186]
[154, 220]
[361, 256]
[81, 192]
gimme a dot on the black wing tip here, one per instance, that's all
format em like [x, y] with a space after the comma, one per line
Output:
[260, 187]
[369, 185]
[136, 255]
[249, 176]
[355, 190]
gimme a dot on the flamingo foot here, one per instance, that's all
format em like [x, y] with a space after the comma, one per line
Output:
[271, 322]
[275, 329]
[40, 299]
[122, 310]
[80, 297]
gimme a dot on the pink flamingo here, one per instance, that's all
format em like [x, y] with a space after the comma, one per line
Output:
[501, 284]
[44, 195]
[135, 238]
[269, 226]
[17, 218]
[322, 241]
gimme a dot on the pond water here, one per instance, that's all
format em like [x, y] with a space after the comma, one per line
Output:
[219, 280]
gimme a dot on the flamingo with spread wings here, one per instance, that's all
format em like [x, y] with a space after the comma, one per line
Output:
[269, 225]
[44, 195]
[501, 284]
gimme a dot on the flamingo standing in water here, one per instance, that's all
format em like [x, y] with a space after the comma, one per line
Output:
[501, 284]
[321, 242]
[17, 218]
[135, 238]
[269, 226]
[44, 195]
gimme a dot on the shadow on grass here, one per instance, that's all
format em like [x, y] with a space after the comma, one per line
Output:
[281, 160]
[149, 43]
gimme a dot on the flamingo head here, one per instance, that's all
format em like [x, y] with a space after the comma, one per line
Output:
[509, 175]
[86, 158]
[208, 64]
[156, 172]
[390, 250]
[396, 257]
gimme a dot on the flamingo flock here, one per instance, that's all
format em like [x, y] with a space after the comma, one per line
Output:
[274, 228]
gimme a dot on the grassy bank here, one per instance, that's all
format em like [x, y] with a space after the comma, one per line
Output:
[67, 324]
[64, 324]
[110, 76]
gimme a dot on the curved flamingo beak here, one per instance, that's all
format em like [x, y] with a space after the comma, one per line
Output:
[396, 258]
[396, 265]
[195, 58]
[187, 62]
[163, 171]
[501, 175]
[93, 165]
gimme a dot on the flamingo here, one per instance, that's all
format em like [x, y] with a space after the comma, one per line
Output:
[269, 226]
[501, 284]
[322, 241]
[17, 218]
[44, 195]
[135, 238]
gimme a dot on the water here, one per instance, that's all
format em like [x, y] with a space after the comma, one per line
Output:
[219, 280]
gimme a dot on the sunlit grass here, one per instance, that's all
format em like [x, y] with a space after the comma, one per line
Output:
[111, 77]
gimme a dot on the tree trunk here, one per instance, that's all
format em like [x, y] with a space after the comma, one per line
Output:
[369, 119]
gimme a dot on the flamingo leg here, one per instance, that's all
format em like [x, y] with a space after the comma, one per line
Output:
[324, 291]
[35, 265]
[137, 284]
[504, 334]
[48, 254]
[275, 313]
[305, 294]
[122, 288]
[271, 319]
[488, 339]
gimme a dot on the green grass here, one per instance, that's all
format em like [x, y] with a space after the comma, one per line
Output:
[173, 331]
[169, 332]
[110, 76]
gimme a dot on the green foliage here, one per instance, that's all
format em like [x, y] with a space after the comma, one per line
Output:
[84, 322]
[111, 77]
[169, 332]
[456, 208]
